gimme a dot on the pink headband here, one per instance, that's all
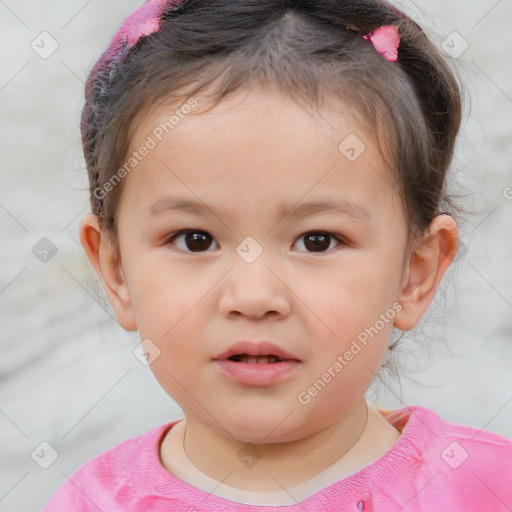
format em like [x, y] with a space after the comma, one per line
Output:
[147, 19]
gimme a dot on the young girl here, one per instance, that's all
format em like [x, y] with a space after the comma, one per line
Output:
[267, 187]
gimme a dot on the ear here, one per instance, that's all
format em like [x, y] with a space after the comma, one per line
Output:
[101, 254]
[422, 275]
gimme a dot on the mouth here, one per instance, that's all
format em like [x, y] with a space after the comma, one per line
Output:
[257, 364]
[250, 352]
[250, 359]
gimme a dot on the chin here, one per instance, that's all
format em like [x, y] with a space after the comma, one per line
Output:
[265, 428]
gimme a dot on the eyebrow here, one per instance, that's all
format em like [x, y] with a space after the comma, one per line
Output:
[335, 207]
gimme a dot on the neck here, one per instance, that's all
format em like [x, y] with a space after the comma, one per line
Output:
[351, 442]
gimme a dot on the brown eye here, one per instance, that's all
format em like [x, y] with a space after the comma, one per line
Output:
[317, 241]
[192, 240]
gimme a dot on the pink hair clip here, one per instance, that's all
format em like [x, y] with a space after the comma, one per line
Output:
[386, 41]
[144, 21]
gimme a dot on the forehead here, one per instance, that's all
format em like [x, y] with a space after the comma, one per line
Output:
[257, 147]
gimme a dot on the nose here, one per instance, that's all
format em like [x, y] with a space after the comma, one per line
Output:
[255, 290]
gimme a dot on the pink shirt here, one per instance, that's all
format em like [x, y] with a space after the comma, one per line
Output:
[434, 466]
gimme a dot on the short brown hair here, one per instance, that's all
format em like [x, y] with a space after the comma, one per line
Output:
[310, 50]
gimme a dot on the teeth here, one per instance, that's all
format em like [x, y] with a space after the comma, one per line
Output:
[245, 358]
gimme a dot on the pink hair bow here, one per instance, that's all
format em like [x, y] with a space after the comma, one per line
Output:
[386, 41]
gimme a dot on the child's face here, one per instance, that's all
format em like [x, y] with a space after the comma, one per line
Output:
[246, 163]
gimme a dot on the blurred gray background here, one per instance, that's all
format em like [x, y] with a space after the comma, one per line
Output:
[68, 375]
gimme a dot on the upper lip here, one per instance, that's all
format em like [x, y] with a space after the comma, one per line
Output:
[253, 348]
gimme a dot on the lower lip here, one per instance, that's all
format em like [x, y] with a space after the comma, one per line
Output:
[256, 374]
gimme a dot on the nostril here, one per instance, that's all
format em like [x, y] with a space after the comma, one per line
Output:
[360, 505]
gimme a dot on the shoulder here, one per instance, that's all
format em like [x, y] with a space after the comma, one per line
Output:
[456, 438]
[470, 464]
[107, 478]
[450, 442]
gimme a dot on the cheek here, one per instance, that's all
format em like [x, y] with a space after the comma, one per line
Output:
[353, 314]
[179, 345]
[169, 308]
[353, 297]
[164, 299]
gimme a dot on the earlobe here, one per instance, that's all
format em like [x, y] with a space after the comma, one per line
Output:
[102, 256]
[428, 263]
